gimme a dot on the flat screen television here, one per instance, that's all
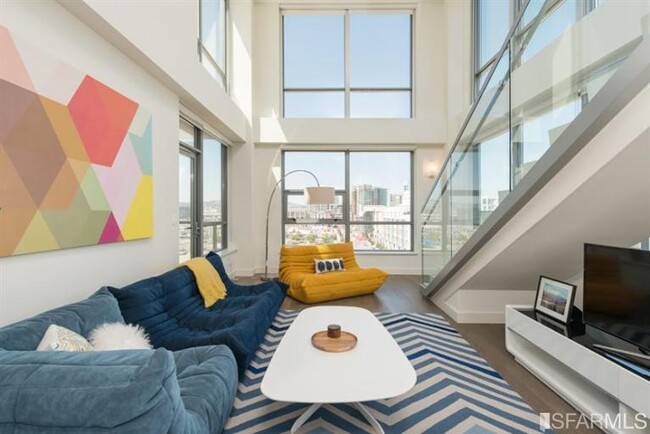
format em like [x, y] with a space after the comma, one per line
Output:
[617, 292]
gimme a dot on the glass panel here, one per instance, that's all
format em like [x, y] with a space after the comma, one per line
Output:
[501, 71]
[565, 57]
[314, 51]
[534, 134]
[532, 11]
[380, 50]
[297, 208]
[381, 237]
[477, 184]
[313, 234]
[213, 182]
[213, 30]
[493, 24]
[184, 242]
[328, 167]
[185, 175]
[436, 230]
[216, 73]
[186, 133]
[380, 186]
[381, 104]
[494, 169]
[212, 238]
[551, 27]
[325, 104]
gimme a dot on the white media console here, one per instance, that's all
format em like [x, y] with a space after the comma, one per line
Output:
[587, 380]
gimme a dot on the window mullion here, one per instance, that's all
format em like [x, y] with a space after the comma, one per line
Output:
[346, 62]
[346, 204]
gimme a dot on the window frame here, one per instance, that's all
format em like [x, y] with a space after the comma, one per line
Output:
[346, 221]
[222, 73]
[514, 7]
[583, 8]
[347, 89]
[196, 222]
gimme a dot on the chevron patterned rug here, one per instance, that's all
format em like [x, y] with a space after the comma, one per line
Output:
[456, 390]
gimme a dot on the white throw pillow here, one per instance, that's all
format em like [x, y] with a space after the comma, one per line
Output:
[58, 338]
[327, 265]
[118, 336]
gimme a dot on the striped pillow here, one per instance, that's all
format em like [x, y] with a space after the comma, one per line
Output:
[327, 265]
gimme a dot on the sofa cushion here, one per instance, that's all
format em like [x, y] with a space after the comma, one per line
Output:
[297, 270]
[124, 391]
[81, 317]
[132, 391]
[300, 259]
[171, 310]
[207, 377]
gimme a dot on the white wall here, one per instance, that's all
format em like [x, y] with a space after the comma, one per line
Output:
[429, 122]
[459, 74]
[147, 50]
[32, 283]
[426, 133]
[161, 36]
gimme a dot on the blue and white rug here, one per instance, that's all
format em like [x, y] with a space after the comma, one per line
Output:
[456, 391]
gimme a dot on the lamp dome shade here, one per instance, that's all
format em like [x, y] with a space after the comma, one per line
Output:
[319, 196]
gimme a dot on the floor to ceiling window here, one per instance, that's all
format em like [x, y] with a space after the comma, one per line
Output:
[202, 188]
[492, 20]
[212, 37]
[374, 201]
[347, 64]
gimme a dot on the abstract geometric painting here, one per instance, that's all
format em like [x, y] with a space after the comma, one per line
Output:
[75, 156]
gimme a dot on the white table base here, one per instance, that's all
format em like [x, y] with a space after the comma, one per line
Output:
[362, 409]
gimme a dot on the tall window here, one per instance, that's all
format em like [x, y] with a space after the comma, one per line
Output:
[201, 193]
[212, 37]
[542, 22]
[492, 20]
[374, 204]
[347, 64]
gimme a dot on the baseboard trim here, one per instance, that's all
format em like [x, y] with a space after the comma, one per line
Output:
[467, 317]
[245, 272]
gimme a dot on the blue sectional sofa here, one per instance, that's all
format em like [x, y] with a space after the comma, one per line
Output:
[131, 391]
[171, 310]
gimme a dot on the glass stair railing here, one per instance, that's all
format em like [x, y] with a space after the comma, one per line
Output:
[557, 57]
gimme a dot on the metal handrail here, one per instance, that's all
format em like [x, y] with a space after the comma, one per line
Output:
[472, 109]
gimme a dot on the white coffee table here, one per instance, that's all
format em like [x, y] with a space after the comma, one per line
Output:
[375, 369]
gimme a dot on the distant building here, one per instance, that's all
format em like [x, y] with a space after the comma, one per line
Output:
[396, 199]
[489, 203]
[367, 195]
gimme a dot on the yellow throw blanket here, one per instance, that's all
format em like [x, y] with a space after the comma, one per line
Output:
[211, 287]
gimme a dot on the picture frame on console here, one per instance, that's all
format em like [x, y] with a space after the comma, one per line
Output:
[555, 299]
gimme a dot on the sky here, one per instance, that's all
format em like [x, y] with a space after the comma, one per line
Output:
[211, 173]
[382, 169]
[380, 57]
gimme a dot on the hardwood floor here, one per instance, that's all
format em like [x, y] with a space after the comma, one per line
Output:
[401, 294]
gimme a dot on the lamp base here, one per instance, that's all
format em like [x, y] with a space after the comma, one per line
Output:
[267, 279]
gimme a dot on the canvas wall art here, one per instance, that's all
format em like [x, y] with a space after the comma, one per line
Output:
[75, 156]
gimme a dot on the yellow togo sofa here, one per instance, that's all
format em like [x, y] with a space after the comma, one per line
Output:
[297, 271]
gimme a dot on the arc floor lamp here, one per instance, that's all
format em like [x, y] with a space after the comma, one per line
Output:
[313, 196]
